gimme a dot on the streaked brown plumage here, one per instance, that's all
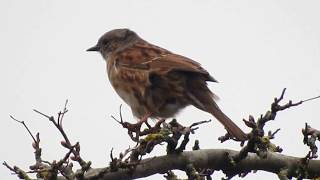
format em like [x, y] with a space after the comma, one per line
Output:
[156, 82]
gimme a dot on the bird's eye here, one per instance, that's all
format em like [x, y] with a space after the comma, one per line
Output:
[105, 43]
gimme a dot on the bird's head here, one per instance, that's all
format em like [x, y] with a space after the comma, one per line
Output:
[113, 41]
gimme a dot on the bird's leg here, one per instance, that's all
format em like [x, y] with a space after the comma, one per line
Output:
[156, 120]
[144, 118]
[137, 126]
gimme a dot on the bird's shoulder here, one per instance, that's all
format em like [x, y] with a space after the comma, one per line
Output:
[139, 54]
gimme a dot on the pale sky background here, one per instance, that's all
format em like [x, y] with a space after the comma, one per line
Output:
[254, 48]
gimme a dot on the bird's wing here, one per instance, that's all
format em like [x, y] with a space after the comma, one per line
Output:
[160, 61]
[173, 62]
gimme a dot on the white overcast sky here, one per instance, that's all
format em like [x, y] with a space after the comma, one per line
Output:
[253, 48]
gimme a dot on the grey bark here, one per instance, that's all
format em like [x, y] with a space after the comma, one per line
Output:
[215, 159]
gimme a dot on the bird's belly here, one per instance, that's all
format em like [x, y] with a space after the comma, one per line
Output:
[127, 96]
[131, 97]
[169, 110]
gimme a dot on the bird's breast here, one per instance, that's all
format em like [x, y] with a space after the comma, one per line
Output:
[130, 86]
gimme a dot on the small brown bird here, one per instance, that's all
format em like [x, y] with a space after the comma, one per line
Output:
[155, 82]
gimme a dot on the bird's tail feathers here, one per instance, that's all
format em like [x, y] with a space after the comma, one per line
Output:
[230, 126]
[202, 98]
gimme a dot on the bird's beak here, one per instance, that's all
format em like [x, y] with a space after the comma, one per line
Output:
[94, 48]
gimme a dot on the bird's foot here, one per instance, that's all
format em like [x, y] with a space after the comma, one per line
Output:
[134, 129]
[144, 119]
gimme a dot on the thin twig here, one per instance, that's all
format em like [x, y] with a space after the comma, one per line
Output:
[277, 100]
[274, 133]
[120, 111]
[60, 118]
[49, 117]
[8, 166]
[58, 125]
[16, 170]
[24, 124]
[310, 99]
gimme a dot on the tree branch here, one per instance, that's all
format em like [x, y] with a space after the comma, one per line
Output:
[215, 159]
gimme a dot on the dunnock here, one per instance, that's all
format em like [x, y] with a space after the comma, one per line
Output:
[155, 82]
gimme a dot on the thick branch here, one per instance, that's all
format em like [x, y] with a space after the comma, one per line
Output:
[215, 159]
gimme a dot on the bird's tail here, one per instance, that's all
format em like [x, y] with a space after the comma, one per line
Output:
[202, 98]
[230, 126]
